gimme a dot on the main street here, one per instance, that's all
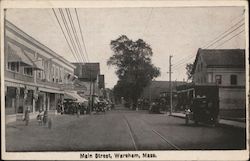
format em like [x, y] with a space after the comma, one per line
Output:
[120, 129]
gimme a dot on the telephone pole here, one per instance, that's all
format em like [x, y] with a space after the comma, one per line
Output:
[170, 84]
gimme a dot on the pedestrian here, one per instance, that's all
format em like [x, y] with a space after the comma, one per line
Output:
[45, 117]
[27, 116]
[40, 117]
[78, 110]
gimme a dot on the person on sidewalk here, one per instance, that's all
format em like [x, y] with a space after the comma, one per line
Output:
[45, 117]
[27, 116]
[40, 117]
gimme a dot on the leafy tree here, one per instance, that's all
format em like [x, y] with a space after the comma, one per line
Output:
[189, 68]
[133, 67]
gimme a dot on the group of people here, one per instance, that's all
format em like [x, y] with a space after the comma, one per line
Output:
[75, 108]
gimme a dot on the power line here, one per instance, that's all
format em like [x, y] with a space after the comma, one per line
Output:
[177, 66]
[64, 34]
[221, 36]
[230, 38]
[228, 28]
[75, 34]
[82, 35]
[184, 59]
[69, 34]
[225, 35]
[205, 46]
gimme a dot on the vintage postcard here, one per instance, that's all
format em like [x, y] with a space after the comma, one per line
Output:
[124, 80]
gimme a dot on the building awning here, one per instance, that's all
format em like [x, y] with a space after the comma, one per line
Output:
[37, 63]
[96, 100]
[74, 96]
[16, 54]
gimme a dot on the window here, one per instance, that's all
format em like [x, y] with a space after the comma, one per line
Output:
[13, 66]
[233, 79]
[218, 79]
[39, 74]
[28, 71]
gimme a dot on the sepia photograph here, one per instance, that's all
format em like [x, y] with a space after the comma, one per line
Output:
[124, 82]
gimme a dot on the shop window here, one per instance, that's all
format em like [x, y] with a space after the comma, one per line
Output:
[13, 66]
[28, 71]
[218, 79]
[233, 79]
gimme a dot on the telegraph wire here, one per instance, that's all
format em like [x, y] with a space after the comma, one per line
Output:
[230, 38]
[75, 33]
[183, 63]
[208, 44]
[64, 35]
[221, 36]
[242, 14]
[82, 35]
[225, 35]
[205, 46]
[69, 33]
[184, 59]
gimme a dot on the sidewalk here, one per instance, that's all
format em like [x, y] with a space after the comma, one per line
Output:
[222, 121]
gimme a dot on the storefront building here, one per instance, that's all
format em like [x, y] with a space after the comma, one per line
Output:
[34, 75]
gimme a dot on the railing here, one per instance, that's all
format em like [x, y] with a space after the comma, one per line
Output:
[18, 76]
[47, 83]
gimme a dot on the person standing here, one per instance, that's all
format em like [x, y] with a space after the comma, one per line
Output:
[45, 117]
[27, 116]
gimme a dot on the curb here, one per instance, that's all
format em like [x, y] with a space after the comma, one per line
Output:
[221, 123]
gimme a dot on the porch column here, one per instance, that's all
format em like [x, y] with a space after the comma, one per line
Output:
[17, 99]
[48, 100]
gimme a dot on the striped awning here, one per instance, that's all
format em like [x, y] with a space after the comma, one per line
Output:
[16, 54]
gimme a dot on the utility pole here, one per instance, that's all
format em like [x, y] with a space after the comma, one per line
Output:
[170, 84]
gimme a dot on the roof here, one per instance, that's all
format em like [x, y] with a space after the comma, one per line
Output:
[87, 71]
[226, 58]
[157, 87]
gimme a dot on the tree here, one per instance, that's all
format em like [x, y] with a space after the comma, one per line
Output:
[133, 67]
[189, 68]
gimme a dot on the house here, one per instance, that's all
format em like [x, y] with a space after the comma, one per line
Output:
[34, 74]
[226, 69]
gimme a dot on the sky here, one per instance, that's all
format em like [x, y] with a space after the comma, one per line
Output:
[176, 31]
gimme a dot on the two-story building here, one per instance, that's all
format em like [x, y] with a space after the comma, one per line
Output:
[34, 74]
[226, 69]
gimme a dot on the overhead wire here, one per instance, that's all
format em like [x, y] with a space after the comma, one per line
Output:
[64, 35]
[75, 34]
[230, 38]
[81, 33]
[69, 34]
[205, 46]
[216, 40]
[225, 35]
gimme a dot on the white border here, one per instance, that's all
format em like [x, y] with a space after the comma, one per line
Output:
[161, 155]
